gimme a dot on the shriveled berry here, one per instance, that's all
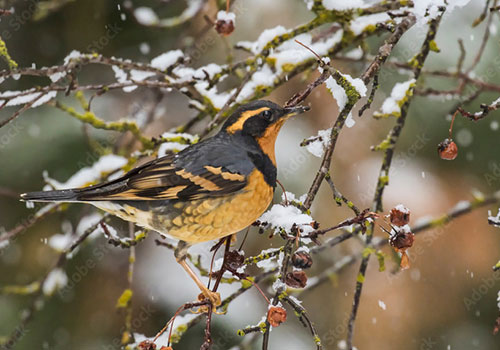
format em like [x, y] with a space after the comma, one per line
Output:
[225, 23]
[146, 345]
[234, 259]
[448, 149]
[302, 260]
[276, 315]
[400, 215]
[296, 279]
[224, 27]
[403, 239]
[496, 327]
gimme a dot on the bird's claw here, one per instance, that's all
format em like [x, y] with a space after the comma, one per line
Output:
[214, 299]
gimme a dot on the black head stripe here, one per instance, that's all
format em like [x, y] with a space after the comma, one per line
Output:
[251, 106]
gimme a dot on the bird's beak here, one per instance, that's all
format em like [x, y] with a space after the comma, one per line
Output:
[291, 111]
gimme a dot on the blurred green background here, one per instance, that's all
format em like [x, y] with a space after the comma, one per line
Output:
[426, 306]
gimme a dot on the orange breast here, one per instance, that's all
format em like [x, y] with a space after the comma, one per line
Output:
[208, 219]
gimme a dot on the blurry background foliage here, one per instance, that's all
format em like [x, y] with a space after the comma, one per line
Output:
[425, 305]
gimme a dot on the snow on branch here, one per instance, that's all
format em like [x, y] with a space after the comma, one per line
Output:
[337, 31]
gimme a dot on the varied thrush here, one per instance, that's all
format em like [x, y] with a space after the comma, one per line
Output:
[210, 190]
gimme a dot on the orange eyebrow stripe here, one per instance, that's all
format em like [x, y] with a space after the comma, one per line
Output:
[225, 174]
[238, 124]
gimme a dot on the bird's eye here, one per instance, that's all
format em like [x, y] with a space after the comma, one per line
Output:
[267, 114]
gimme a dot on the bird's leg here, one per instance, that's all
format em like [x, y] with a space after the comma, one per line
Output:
[180, 255]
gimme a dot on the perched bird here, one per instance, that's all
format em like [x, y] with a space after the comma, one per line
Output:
[208, 191]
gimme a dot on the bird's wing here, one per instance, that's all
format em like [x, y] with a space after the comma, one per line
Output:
[166, 178]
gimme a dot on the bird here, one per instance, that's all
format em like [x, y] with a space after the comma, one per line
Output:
[210, 190]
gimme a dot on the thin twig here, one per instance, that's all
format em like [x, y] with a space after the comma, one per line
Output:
[21, 110]
[302, 314]
[370, 99]
[423, 224]
[461, 58]
[383, 53]
[485, 110]
[384, 172]
[486, 36]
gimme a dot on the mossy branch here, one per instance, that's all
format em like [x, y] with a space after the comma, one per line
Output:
[6, 56]
[90, 118]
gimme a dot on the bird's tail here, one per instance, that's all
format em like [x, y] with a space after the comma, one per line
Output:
[51, 196]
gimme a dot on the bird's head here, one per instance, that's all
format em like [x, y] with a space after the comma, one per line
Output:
[261, 120]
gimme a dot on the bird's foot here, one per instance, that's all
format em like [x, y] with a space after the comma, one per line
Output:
[214, 299]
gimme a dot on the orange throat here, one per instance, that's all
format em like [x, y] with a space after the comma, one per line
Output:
[268, 139]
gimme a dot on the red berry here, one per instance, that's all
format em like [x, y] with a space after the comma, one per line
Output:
[448, 149]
